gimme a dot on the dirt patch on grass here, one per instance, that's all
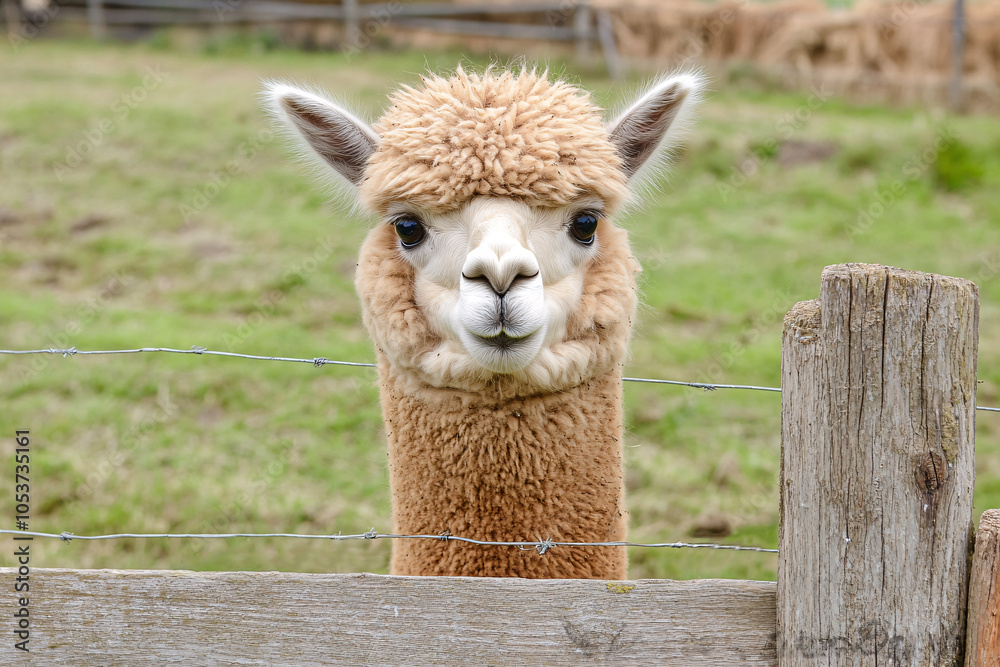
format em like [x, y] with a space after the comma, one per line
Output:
[795, 152]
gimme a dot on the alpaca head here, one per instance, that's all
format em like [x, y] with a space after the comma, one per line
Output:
[496, 263]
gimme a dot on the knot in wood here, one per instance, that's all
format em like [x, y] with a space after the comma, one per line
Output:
[931, 472]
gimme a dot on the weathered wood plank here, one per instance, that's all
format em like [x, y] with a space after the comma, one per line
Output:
[257, 618]
[982, 647]
[878, 410]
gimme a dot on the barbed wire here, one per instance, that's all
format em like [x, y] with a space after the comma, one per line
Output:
[703, 385]
[323, 361]
[195, 349]
[541, 546]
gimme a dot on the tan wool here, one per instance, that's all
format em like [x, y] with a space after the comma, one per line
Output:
[503, 463]
[488, 456]
[494, 133]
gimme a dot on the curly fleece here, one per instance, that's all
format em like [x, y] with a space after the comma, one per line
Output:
[505, 462]
[491, 134]
[516, 457]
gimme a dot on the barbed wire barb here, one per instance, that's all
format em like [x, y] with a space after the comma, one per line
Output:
[703, 385]
[195, 349]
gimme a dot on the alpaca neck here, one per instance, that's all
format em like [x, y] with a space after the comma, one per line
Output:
[506, 469]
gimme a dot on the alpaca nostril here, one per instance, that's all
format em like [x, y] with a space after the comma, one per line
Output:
[500, 284]
[518, 277]
[481, 278]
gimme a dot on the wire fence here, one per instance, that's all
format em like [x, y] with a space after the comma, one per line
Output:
[323, 361]
[541, 546]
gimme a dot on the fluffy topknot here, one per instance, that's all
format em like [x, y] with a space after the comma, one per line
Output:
[503, 134]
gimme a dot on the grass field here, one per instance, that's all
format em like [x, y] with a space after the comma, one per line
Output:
[144, 202]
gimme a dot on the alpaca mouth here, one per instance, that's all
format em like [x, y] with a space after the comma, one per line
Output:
[503, 353]
[502, 346]
[502, 341]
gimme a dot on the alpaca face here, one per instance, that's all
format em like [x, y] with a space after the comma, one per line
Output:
[497, 278]
[502, 266]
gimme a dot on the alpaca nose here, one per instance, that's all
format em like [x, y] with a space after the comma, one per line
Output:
[500, 262]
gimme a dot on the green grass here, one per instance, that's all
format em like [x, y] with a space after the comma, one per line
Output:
[135, 247]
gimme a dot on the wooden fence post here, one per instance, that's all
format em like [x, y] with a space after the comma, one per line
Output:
[95, 17]
[582, 20]
[606, 35]
[982, 647]
[878, 416]
[957, 55]
[12, 15]
[352, 23]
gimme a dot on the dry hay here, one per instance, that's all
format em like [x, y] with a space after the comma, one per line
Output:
[900, 51]
[684, 30]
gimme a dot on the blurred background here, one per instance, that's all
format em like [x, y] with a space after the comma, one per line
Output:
[145, 201]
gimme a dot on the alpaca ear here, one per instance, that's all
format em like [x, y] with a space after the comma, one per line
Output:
[337, 137]
[639, 134]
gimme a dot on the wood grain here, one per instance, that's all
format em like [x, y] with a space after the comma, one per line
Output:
[878, 410]
[273, 618]
[983, 644]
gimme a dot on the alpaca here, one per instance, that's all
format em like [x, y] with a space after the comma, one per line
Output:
[500, 297]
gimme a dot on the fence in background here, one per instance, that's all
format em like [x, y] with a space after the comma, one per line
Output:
[878, 417]
[900, 50]
[550, 21]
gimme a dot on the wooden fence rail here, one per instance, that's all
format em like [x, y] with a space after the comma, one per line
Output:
[433, 16]
[557, 20]
[878, 400]
[265, 618]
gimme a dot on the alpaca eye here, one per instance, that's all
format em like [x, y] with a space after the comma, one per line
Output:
[409, 230]
[583, 227]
